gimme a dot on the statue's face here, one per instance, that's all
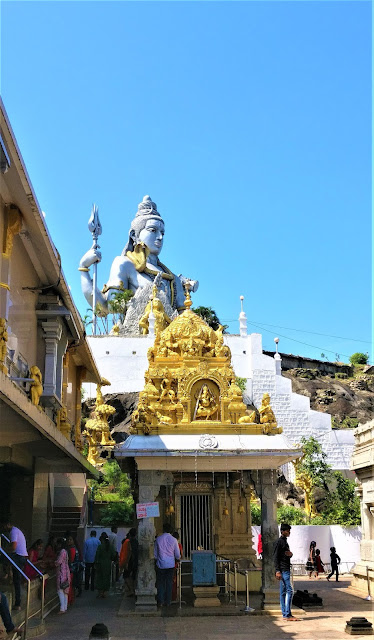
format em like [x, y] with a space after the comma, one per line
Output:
[153, 235]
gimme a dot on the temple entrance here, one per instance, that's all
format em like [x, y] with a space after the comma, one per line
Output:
[196, 522]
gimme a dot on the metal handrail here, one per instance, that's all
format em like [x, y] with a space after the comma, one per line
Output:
[15, 566]
[2, 535]
[43, 577]
[228, 572]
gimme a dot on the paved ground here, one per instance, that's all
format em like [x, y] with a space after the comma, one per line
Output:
[339, 605]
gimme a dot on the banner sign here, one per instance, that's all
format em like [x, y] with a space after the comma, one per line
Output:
[147, 510]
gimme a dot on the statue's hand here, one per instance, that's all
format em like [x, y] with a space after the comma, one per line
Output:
[193, 284]
[91, 257]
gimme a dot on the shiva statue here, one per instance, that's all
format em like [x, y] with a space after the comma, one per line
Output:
[136, 269]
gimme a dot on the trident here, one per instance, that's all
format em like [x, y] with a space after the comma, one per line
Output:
[94, 226]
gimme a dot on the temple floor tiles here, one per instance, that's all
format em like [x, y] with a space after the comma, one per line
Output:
[339, 605]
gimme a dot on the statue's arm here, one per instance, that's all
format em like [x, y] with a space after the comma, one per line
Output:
[91, 257]
[120, 276]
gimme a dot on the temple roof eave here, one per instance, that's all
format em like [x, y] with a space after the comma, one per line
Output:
[234, 451]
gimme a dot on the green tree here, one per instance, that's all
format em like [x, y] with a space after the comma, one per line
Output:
[342, 506]
[210, 317]
[114, 489]
[314, 464]
[116, 514]
[359, 358]
[255, 513]
[291, 515]
[117, 305]
[241, 382]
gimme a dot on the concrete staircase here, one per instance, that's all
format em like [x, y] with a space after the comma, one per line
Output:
[65, 519]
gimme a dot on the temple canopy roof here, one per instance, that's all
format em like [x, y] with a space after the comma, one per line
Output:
[206, 452]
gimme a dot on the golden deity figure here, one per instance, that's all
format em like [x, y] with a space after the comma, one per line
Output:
[156, 307]
[142, 417]
[102, 413]
[206, 404]
[237, 408]
[93, 450]
[3, 345]
[267, 416]
[36, 388]
[220, 349]
[63, 424]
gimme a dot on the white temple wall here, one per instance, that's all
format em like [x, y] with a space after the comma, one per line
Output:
[346, 540]
[123, 361]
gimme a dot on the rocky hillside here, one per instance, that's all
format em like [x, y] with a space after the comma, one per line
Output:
[349, 401]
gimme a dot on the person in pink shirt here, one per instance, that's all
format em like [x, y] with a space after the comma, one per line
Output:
[62, 574]
[166, 553]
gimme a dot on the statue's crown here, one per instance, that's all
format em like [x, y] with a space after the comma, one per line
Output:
[147, 207]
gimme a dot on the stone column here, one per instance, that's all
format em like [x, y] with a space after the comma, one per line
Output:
[40, 522]
[52, 335]
[269, 530]
[149, 487]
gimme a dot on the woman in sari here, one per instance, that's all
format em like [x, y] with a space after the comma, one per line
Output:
[34, 556]
[62, 574]
[105, 555]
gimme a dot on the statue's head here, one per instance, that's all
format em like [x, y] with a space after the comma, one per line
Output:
[147, 227]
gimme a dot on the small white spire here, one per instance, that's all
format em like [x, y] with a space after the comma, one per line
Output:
[277, 358]
[151, 321]
[242, 320]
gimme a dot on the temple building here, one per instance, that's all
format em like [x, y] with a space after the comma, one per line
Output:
[44, 358]
[199, 453]
[215, 418]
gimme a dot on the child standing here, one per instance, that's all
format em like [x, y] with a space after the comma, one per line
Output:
[319, 564]
[335, 561]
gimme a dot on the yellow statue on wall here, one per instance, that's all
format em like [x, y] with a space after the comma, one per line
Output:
[63, 424]
[36, 388]
[3, 345]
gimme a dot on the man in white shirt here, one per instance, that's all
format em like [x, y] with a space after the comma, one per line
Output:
[166, 553]
[19, 555]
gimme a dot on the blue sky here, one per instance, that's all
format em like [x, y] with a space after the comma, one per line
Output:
[248, 123]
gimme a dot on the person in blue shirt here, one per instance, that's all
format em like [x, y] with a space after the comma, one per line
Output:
[90, 548]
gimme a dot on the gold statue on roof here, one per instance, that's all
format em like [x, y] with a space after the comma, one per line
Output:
[190, 383]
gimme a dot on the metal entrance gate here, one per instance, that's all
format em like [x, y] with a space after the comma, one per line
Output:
[196, 523]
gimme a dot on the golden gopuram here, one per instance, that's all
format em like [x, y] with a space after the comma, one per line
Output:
[190, 385]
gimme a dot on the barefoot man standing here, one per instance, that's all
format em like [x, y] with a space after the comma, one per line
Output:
[282, 563]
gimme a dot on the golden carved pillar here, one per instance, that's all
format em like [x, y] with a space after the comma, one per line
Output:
[80, 375]
[12, 226]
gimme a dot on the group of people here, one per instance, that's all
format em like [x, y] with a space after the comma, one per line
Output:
[63, 555]
[282, 564]
[315, 565]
